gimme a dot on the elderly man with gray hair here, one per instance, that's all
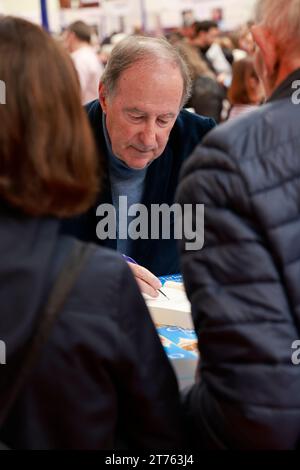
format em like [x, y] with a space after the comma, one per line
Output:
[244, 284]
[143, 136]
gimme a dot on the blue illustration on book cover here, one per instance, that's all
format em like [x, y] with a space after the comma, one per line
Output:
[179, 343]
[171, 277]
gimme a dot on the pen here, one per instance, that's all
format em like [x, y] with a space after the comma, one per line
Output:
[131, 260]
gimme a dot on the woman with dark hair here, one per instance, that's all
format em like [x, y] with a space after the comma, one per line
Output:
[98, 378]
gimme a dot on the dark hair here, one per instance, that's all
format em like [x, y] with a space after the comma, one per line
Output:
[205, 26]
[47, 153]
[81, 30]
[241, 72]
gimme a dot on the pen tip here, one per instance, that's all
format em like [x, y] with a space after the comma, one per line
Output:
[165, 295]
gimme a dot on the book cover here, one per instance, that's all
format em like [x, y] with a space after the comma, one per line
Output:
[182, 350]
[182, 338]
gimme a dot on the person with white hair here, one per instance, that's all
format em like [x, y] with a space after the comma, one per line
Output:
[77, 40]
[144, 137]
[244, 283]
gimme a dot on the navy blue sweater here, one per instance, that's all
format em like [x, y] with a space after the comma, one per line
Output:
[159, 256]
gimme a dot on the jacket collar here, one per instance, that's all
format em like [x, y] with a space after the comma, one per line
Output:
[285, 90]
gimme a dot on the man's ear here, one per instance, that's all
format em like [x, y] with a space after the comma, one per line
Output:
[102, 97]
[266, 42]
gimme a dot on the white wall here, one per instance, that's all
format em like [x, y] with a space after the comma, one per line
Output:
[107, 17]
[27, 8]
[236, 12]
[30, 9]
[166, 13]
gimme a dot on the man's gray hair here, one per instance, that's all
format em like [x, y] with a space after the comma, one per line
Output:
[139, 48]
[282, 17]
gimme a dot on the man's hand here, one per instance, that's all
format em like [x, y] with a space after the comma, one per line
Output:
[148, 283]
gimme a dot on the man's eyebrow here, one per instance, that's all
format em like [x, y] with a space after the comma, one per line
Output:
[167, 115]
[142, 113]
[134, 110]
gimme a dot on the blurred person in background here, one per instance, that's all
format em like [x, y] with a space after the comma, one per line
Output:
[246, 90]
[244, 283]
[245, 40]
[77, 40]
[101, 379]
[227, 47]
[243, 44]
[107, 46]
[174, 37]
[237, 52]
[205, 38]
[207, 94]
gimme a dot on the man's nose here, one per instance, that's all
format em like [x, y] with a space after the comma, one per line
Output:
[148, 135]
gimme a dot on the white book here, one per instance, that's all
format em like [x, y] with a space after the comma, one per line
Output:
[174, 310]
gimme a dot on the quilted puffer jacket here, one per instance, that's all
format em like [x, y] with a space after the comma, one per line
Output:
[244, 284]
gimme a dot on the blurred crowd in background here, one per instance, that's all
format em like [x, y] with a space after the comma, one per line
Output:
[225, 83]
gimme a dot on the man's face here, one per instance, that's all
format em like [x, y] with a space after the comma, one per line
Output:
[142, 111]
[212, 35]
